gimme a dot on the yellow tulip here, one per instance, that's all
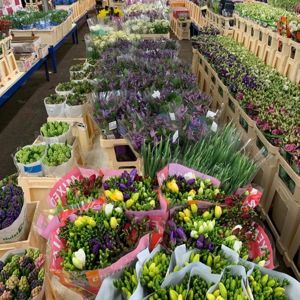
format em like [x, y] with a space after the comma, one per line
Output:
[113, 223]
[187, 212]
[192, 193]
[129, 203]
[172, 186]
[194, 208]
[218, 211]
[152, 203]
[206, 215]
[107, 193]
[117, 195]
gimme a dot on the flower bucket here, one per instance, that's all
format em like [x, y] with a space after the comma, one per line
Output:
[55, 110]
[65, 137]
[73, 111]
[33, 169]
[60, 170]
[63, 93]
[15, 232]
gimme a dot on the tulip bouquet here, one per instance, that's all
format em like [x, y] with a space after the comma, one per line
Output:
[178, 291]
[81, 191]
[209, 229]
[94, 239]
[181, 189]
[131, 191]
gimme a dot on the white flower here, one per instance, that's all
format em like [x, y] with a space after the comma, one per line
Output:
[237, 227]
[237, 246]
[79, 258]
[194, 234]
[285, 87]
[188, 176]
[108, 209]
[119, 210]
[156, 94]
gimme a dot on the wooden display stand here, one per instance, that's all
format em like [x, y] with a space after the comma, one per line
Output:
[181, 28]
[9, 70]
[110, 146]
[49, 36]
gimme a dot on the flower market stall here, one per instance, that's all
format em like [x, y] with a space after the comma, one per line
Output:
[154, 179]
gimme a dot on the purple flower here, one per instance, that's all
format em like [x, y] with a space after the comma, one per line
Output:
[122, 187]
[106, 185]
[171, 224]
[191, 181]
[173, 238]
[211, 247]
[290, 147]
[126, 196]
[277, 131]
[199, 244]
[181, 234]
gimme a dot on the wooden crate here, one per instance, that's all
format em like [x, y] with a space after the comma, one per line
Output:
[289, 179]
[49, 36]
[292, 67]
[177, 3]
[181, 28]
[292, 256]
[282, 215]
[32, 239]
[111, 147]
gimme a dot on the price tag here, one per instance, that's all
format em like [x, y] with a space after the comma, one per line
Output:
[172, 116]
[112, 125]
[210, 114]
[214, 126]
[175, 136]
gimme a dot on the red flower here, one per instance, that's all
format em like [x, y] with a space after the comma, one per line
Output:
[228, 201]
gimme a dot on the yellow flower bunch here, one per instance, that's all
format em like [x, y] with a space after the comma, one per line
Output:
[85, 221]
[114, 195]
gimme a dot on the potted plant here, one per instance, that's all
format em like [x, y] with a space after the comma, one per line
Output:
[64, 88]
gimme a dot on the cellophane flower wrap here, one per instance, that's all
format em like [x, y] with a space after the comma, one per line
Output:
[136, 194]
[91, 244]
[175, 177]
[207, 227]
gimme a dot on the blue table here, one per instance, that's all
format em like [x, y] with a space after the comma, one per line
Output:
[10, 91]
[52, 49]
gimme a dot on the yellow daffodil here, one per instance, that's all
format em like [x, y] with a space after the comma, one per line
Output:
[172, 186]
